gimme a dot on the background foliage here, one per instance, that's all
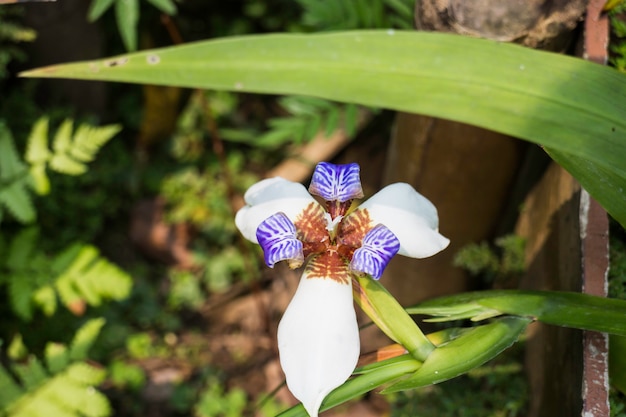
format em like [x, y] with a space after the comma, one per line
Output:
[70, 183]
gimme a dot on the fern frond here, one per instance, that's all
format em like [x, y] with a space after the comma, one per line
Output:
[84, 338]
[13, 180]
[308, 117]
[17, 200]
[65, 388]
[37, 151]
[11, 166]
[71, 153]
[75, 276]
[91, 278]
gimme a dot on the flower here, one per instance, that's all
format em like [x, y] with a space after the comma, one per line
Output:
[318, 336]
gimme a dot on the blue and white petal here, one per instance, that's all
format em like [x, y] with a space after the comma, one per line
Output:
[277, 237]
[268, 197]
[378, 247]
[318, 340]
[336, 182]
[410, 216]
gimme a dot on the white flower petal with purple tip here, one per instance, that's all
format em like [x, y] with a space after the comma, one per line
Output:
[268, 197]
[318, 339]
[379, 246]
[336, 182]
[410, 216]
[277, 237]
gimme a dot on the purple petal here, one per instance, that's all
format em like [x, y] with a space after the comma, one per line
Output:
[336, 182]
[277, 237]
[379, 246]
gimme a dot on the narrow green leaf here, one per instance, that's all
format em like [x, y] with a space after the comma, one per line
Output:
[17, 200]
[10, 391]
[383, 309]
[31, 374]
[470, 350]
[127, 15]
[84, 338]
[166, 6]
[62, 141]
[563, 103]
[41, 183]
[11, 165]
[568, 309]
[37, 151]
[63, 163]
[57, 357]
[97, 9]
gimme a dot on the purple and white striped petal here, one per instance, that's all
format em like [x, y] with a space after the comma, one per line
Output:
[277, 237]
[268, 197]
[379, 246]
[336, 182]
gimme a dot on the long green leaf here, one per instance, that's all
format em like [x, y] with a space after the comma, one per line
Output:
[568, 309]
[470, 350]
[564, 103]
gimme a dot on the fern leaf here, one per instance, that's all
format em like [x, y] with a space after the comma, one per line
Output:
[63, 137]
[46, 299]
[62, 163]
[20, 291]
[89, 139]
[37, 151]
[65, 389]
[16, 199]
[10, 389]
[11, 166]
[97, 9]
[22, 248]
[57, 357]
[41, 183]
[32, 373]
[84, 338]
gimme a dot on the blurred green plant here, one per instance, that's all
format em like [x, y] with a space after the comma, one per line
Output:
[499, 264]
[11, 35]
[127, 15]
[307, 117]
[62, 382]
[320, 15]
[69, 155]
[77, 276]
[617, 17]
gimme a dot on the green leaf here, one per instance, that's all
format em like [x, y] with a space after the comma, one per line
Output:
[568, 309]
[470, 350]
[17, 200]
[84, 338]
[166, 6]
[127, 15]
[382, 373]
[383, 309]
[97, 9]
[37, 151]
[11, 165]
[564, 103]
[57, 357]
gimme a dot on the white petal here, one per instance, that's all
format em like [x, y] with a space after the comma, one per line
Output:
[410, 216]
[318, 340]
[268, 197]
